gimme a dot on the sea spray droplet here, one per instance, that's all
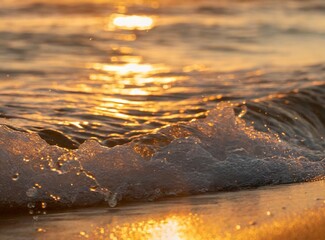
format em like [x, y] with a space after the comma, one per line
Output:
[93, 188]
[157, 192]
[15, 177]
[31, 205]
[31, 192]
[243, 111]
[112, 200]
[55, 198]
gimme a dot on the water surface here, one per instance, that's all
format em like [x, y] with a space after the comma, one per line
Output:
[99, 98]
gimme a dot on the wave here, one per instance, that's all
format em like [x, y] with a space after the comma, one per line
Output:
[298, 116]
[223, 151]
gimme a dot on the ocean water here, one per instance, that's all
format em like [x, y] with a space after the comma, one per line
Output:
[105, 102]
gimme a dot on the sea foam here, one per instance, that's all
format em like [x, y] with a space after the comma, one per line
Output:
[219, 152]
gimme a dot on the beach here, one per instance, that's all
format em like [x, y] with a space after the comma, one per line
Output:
[294, 211]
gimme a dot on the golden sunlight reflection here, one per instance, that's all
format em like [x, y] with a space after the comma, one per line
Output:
[138, 92]
[126, 76]
[175, 227]
[133, 78]
[126, 84]
[125, 37]
[129, 68]
[131, 22]
[126, 59]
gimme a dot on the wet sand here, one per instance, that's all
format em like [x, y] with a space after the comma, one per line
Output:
[295, 211]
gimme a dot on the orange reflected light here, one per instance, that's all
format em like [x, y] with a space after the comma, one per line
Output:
[136, 79]
[177, 227]
[168, 229]
[127, 59]
[125, 37]
[129, 68]
[132, 22]
[137, 92]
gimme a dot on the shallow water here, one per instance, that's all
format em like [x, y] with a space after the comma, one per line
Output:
[278, 212]
[131, 75]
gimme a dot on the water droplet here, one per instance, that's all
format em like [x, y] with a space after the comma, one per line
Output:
[268, 213]
[25, 159]
[31, 192]
[238, 227]
[55, 198]
[243, 111]
[93, 188]
[112, 201]
[31, 205]
[40, 230]
[15, 177]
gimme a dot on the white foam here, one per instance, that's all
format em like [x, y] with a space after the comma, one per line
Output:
[216, 153]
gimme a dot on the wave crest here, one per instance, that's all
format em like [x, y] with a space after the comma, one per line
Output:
[218, 152]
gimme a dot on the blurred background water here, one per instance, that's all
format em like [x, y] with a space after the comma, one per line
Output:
[113, 70]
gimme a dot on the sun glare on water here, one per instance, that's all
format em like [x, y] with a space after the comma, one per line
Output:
[177, 227]
[125, 68]
[131, 22]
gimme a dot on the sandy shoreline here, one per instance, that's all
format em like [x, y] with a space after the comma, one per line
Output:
[295, 211]
[306, 225]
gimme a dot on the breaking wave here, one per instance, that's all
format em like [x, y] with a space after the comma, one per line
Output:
[275, 140]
